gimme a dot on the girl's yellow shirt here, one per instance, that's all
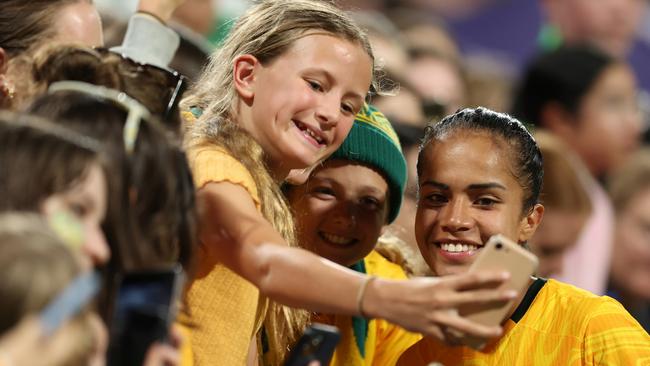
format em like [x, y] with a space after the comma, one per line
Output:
[222, 306]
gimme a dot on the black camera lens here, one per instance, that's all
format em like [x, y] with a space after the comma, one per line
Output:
[499, 245]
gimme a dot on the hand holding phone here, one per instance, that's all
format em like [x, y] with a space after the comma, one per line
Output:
[500, 253]
[316, 344]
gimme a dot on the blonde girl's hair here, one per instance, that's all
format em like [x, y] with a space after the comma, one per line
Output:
[266, 31]
[395, 250]
[35, 266]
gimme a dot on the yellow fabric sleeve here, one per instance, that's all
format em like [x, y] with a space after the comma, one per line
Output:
[613, 337]
[221, 305]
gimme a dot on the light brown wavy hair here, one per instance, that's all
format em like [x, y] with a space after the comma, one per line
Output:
[35, 266]
[265, 31]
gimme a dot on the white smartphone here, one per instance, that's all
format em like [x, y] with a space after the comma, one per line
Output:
[500, 253]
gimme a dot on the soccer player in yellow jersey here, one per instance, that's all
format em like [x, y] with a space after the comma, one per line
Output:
[479, 174]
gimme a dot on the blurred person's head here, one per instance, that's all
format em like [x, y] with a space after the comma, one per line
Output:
[439, 80]
[26, 25]
[150, 220]
[421, 30]
[35, 267]
[567, 205]
[610, 25]
[490, 81]
[629, 189]
[404, 110]
[48, 169]
[342, 208]
[586, 98]
[480, 174]
[387, 44]
[159, 90]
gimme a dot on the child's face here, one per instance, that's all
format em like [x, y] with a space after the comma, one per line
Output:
[341, 210]
[87, 201]
[304, 101]
[608, 126]
[467, 194]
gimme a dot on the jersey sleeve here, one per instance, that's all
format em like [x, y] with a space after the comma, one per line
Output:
[614, 337]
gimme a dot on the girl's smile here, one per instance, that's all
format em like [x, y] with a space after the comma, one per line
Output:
[300, 105]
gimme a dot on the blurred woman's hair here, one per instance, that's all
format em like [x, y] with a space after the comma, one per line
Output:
[630, 179]
[39, 159]
[563, 76]
[159, 90]
[563, 189]
[151, 219]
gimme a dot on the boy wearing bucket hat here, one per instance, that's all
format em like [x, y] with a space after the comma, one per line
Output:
[341, 212]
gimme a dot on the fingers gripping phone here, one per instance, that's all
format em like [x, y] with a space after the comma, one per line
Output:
[146, 306]
[500, 253]
[316, 344]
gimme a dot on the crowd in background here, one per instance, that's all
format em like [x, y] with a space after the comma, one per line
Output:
[139, 135]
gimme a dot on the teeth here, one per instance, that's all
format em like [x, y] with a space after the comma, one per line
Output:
[313, 134]
[458, 248]
[309, 132]
[337, 239]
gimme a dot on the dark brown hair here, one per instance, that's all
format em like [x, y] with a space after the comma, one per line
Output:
[151, 86]
[151, 219]
[39, 159]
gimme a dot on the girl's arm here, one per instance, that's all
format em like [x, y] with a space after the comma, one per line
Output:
[237, 235]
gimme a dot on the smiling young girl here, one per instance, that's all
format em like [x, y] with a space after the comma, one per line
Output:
[480, 174]
[281, 94]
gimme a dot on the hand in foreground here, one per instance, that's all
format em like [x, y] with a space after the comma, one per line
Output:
[428, 305]
[163, 9]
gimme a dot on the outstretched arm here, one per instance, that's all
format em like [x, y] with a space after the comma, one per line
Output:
[237, 235]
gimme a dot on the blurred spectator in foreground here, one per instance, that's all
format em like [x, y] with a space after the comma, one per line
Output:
[630, 270]
[35, 266]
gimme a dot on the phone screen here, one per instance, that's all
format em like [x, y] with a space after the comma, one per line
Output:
[317, 343]
[145, 309]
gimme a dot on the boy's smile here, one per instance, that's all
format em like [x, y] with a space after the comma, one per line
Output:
[341, 210]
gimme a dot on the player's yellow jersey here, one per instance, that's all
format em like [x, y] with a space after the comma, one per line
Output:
[555, 324]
